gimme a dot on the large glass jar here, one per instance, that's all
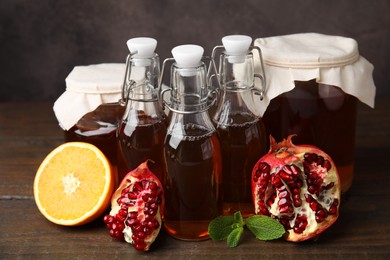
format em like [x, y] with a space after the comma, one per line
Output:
[315, 82]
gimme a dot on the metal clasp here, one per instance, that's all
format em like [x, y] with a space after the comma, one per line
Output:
[261, 76]
[212, 92]
[127, 82]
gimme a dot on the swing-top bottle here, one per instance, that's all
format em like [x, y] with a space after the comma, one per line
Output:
[192, 151]
[240, 129]
[142, 130]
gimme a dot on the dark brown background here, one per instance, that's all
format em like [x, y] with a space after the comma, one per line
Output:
[42, 40]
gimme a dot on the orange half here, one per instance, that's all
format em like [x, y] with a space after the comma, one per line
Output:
[73, 184]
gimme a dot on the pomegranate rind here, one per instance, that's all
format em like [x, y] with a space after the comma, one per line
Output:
[286, 153]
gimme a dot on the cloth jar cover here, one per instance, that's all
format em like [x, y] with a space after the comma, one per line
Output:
[330, 60]
[87, 87]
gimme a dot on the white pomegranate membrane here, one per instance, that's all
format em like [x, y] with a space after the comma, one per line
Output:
[299, 186]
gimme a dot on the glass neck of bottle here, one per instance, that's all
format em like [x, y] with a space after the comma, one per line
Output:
[189, 92]
[194, 124]
[143, 79]
[236, 71]
[141, 112]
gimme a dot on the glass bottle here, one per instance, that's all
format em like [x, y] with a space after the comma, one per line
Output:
[240, 129]
[142, 130]
[192, 151]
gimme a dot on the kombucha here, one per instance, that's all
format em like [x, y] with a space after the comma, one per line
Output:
[242, 145]
[193, 184]
[138, 143]
[327, 122]
[99, 128]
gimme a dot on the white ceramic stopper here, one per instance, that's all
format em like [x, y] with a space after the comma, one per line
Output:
[237, 46]
[187, 56]
[143, 47]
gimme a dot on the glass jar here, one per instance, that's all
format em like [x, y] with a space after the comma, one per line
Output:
[89, 109]
[315, 83]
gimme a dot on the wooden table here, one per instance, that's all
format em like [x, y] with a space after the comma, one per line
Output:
[29, 131]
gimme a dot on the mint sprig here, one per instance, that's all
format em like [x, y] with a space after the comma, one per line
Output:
[264, 227]
[231, 228]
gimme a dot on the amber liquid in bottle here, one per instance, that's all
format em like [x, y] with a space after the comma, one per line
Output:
[99, 128]
[142, 142]
[194, 170]
[242, 145]
[328, 123]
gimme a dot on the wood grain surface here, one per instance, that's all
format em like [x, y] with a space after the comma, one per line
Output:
[29, 131]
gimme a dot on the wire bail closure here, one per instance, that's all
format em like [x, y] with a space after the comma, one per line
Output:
[209, 100]
[129, 84]
[261, 75]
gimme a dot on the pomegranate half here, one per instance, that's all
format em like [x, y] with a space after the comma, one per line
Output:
[136, 208]
[299, 186]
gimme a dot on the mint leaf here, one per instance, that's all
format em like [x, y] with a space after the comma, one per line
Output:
[234, 237]
[231, 228]
[238, 218]
[221, 227]
[264, 227]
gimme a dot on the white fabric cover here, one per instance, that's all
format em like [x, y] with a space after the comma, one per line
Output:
[331, 60]
[87, 87]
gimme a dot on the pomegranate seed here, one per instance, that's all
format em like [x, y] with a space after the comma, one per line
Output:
[295, 191]
[277, 182]
[327, 165]
[287, 169]
[318, 181]
[133, 214]
[135, 238]
[282, 201]
[285, 209]
[285, 176]
[329, 186]
[312, 189]
[112, 233]
[332, 210]
[137, 187]
[257, 175]
[320, 160]
[132, 222]
[120, 218]
[283, 194]
[132, 195]
[145, 197]
[314, 205]
[140, 245]
[333, 207]
[296, 172]
[108, 219]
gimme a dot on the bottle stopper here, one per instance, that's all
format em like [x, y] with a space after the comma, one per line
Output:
[187, 56]
[142, 48]
[236, 46]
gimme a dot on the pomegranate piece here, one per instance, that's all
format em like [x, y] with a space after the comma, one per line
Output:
[299, 186]
[136, 208]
